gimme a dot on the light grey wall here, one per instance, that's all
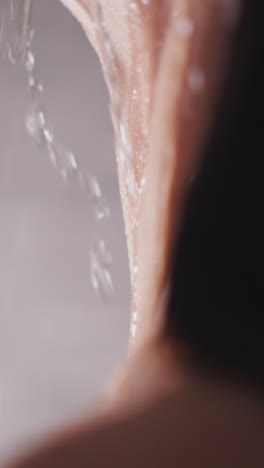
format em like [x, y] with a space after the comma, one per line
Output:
[57, 341]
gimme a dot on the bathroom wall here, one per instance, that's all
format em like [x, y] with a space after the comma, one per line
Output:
[58, 342]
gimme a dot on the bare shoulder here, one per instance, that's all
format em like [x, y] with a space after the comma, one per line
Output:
[202, 426]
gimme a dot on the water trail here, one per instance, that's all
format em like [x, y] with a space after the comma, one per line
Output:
[20, 51]
[2, 28]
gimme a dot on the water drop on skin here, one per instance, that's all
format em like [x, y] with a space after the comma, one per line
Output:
[134, 8]
[184, 27]
[142, 185]
[143, 182]
[135, 224]
[196, 80]
[135, 316]
[125, 157]
[133, 330]
[134, 95]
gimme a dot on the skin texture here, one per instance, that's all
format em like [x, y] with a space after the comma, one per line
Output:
[158, 410]
[170, 126]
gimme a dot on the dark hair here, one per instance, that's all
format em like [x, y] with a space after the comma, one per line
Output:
[216, 286]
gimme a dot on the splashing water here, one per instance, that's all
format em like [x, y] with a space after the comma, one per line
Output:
[19, 51]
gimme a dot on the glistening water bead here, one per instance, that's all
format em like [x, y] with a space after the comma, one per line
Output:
[196, 80]
[19, 50]
[100, 263]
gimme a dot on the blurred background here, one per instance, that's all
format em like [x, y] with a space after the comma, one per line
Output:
[58, 341]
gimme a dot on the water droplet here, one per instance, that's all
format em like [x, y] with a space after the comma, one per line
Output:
[196, 80]
[123, 135]
[64, 161]
[37, 126]
[31, 80]
[134, 7]
[125, 158]
[90, 185]
[133, 330]
[184, 26]
[135, 316]
[34, 86]
[100, 262]
[176, 12]
[143, 182]
[105, 254]
[30, 61]
[13, 52]
[135, 224]
[108, 48]
[48, 135]
[134, 94]
[95, 189]
[101, 209]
